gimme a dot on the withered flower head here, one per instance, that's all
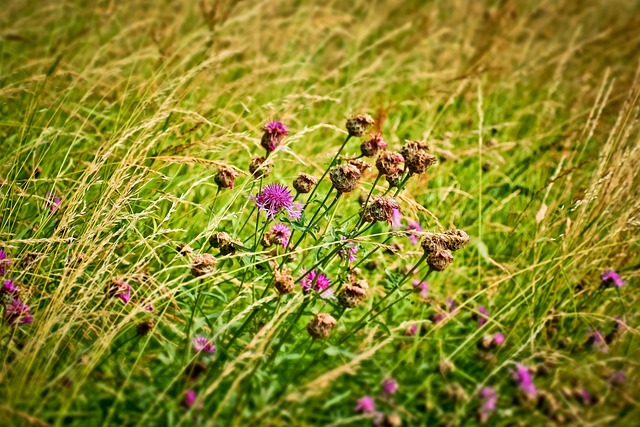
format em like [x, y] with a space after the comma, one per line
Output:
[344, 177]
[353, 294]
[361, 165]
[224, 242]
[225, 177]
[455, 239]
[394, 179]
[440, 259]
[371, 147]
[321, 325]
[143, 328]
[184, 249]
[380, 209]
[284, 281]
[203, 264]
[416, 157]
[304, 183]
[274, 133]
[432, 242]
[389, 163]
[358, 124]
[259, 168]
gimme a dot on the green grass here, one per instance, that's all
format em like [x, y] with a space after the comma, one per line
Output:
[127, 110]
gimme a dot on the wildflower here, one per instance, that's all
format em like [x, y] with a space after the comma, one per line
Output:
[432, 242]
[279, 234]
[52, 202]
[597, 340]
[361, 165]
[224, 242]
[484, 313]
[203, 264]
[122, 290]
[498, 339]
[416, 157]
[350, 249]
[17, 313]
[358, 124]
[440, 259]
[321, 325]
[353, 294]
[259, 168]
[304, 183]
[414, 227]
[143, 328]
[610, 277]
[455, 239]
[437, 317]
[489, 403]
[344, 177]
[366, 405]
[314, 281]
[446, 366]
[389, 163]
[452, 305]
[184, 249]
[617, 378]
[274, 133]
[203, 344]
[4, 261]
[9, 287]
[275, 198]
[394, 180]
[587, 398]
[524, 378]
[225, 177]
[189, 398]
[28, 259]
[380, 209]
[284, 281]
[396, 219]
[371, 147]
[412, 330]
[388, 420]
[389, 386]
[422, 287]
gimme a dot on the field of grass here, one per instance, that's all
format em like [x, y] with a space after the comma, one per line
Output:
[116, 119]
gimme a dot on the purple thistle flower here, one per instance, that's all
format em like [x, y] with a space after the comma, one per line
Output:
[587, 398]
[316, 281]
[52, 202]
[203, 344]
[452, 305]
[189, 399]
[414, 227]
[412, 330]
[389, 386]
[396, 219]
[598, 341]
[610, 277]
[616, 378]
[498, 339]
[122, 290]
[366, 405]
[17, 313]
[423, 287]
[274, 132]
[438, 317]
[281, 234]
[489, 403]
[484, 313]
[9, 287]
[350, 249]
[4, 261]
[523, 376]
[275, 198]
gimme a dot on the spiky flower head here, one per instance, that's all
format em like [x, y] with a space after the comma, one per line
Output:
[357, 125]
[353, 294]
[304, 183]
[344, 177]
[455, 239]
[220, 239]
[225, 177]
[371, 147]
[389, 163]
[489, 399]
[610, 277]
[321, 325]
[190, 397]
[389, 386]
[421, 287]
[17, 313]
[184, 249]
[259, 167]
[284, 282]
[349, 251]
[498, 339]
[203, 344]
[483, 314]
[524, 378]
[203, 264]
[366, 405]
[4, 261]
[316, 281]
[275, 198]
[380, 209]
[52, 202]
[394, 180]
[9, 287]
[274, 133]
[121, 289]
[416, 157]
[439, 260]
[279, 234]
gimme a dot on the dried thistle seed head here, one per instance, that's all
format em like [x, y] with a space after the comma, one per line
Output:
[225, 177]
[203, 264]
[353, 295]
[416, 157]
[143, 328]
[380, 209]
[219, 239]
[455, 239]
[230, 248]
[344, 177]
[274, 133]
[361, 165]
[304, 183]
[259, 168]
[284, 281]
[446, 366]
[394, 180]
[432, 242]
[267, 241]
[28, 259]
[321, 325]
[440, 259]
[371, 265]
[358, 124]
[184, 249]
[389, 163]
[371, 147]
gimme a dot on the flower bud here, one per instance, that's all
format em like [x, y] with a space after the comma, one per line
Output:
[274, 133]
[371, 147]
[259, 168]
[358, 124]
[304, 183]
[203, 264]
[389, 163]
[283, 281]
[225, 177]
[321, 325]
[344, 177]
[416, 157]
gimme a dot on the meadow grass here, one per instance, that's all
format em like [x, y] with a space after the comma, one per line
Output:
[127, 110]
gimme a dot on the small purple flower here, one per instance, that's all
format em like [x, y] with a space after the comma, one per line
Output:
[598, 341]
[396, 219]
[274, 132]
[414, 227]
[52, 202]
[316, 281]
[189, 399]
[281, 234]
[616, 378]
[524, 378]
[203, 344]
[389, 386]
[610, 277]
[587, 398]
[484, 313]
[498, 339]
[452, 305]
[122, 290]
[423, 287]
[9, 287]
[489, 403]
[366, 405]
[275, 198]
[4, 261]
[438, 317]
[412, 330]
[17, 313]
[350, 249]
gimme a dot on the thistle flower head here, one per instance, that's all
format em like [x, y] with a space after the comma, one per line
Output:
[52, 202]
[203, 264]
[184, 249]
[412, 330]
[455, 239]
[524, 378]
[17, 313]
[389, 163]
[422, 287]
[610, 277]
[498, 339]
[365, 405]
[121, 289]
[380, 209]
[361, 165]
[189, 399]
[9, 287]
[314, 281]
[259, 168]
[440, 259]
[321, 325]
[489, 399]
[275, 198]
[483, 314]
[280, 234]
[413, 228]
[357, 125]
[283, 280]
[225, 177]
[203, 345]
[143, 328]
[344, 177]
[350, 250]
[274, 133]
[304, 183]
[389, 386]
[353, 294]
[416, 157]
[4, 261]
[371, 147]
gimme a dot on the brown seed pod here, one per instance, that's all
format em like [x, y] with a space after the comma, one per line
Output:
[394, 179]
[225, 177]
[389, 163]
[439, 260]
[455, 239]
[380, 209]
[353, 295]
[304, 183]
[321, 325]
[358, 124]
[259, 168]
[143, 328]
[416, 157]
[203, 264]
[344, 177]
[432, 242]
[184, 249]
[283, 281]
[372, 146]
